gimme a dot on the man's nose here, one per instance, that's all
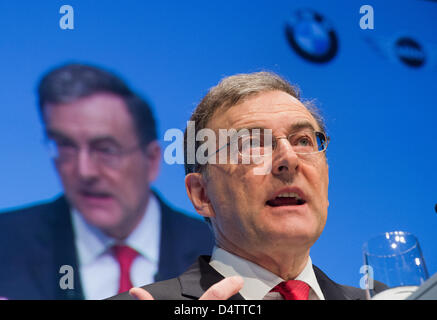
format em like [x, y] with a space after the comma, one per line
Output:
[285, 160]
[87, 168]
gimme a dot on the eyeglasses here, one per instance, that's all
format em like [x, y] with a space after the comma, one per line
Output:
[104, 155]
[261, 143]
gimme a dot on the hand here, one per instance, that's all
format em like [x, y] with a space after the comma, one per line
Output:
[222, 290]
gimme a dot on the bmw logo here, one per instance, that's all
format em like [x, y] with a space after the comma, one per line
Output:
[311, 36]
[410, 52]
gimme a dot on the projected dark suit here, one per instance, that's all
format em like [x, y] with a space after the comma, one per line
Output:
[36, 241]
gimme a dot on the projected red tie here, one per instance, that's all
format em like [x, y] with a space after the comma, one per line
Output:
[293, 290]
[125, 256]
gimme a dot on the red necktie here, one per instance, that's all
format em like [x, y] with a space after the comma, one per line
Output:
[293, 290]
[125, 256]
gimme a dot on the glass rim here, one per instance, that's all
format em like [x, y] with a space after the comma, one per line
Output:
[365, 247]
[325, 144]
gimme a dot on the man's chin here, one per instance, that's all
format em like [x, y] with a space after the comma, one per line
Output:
[101, 218]
[299, 222]
[292, 232]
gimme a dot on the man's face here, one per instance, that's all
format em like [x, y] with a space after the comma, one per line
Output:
[111, 194]
[246, 212]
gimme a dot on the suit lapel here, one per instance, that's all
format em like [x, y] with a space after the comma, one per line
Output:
[172, 255]
[55, 248]
[330, 289]
[167, 252]
[199, 278]
[41, 260]
[65, 252]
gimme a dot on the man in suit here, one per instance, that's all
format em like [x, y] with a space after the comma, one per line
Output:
[109, 231]
[265, 193]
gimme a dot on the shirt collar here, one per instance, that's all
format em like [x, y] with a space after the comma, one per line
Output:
[145, 238]
[257, 280]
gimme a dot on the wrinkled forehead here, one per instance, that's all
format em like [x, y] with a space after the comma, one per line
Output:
[99, 115]
[273, 110]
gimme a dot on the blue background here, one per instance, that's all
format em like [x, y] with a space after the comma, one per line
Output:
[380, 113]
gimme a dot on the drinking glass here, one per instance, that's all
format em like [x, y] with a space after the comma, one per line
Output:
[394, 259]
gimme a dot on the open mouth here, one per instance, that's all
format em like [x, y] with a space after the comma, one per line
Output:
[286, 199]
[95, 195]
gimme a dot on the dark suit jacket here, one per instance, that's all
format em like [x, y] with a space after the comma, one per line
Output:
[36, 241]
[200, 276]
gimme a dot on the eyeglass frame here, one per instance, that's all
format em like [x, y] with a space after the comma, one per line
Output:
[275, 143]
[51, 145]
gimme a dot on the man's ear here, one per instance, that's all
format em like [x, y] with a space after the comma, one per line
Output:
[196, 190]
[153, 153]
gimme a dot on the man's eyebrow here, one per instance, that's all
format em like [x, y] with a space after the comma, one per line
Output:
[104, 139]
[250, 128]
[53, 133]
[294, 127]
[302, 125]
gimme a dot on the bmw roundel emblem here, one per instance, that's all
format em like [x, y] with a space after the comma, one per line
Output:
[410, 52]
[311, 36]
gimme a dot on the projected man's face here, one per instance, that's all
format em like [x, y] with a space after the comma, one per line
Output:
[104, 170]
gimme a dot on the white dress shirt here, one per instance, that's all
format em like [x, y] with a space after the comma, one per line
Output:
[258, 281]
[99, 270]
